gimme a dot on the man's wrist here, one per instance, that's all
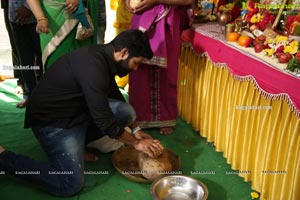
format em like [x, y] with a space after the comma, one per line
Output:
[128, 138]
[135, 130]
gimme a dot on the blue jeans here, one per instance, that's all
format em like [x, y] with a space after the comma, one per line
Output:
[63, 175]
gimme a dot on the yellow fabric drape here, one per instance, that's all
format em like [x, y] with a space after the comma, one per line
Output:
[258, 135]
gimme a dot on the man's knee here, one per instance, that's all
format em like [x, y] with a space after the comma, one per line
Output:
[69, 185]
[126, 114]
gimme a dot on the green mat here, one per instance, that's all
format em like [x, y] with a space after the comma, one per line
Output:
[197, 157]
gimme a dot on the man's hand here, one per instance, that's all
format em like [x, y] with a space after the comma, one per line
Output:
[142, 135]
[149, 146]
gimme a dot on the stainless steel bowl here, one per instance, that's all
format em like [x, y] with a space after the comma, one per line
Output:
[178, 187]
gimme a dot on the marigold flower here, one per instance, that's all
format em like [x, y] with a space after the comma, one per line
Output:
[290, 49]
[254, 195]
[269, 52]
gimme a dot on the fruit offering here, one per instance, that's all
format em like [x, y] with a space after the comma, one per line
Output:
[282, 48]
[259, 47]
[232, 37]
[244, 41]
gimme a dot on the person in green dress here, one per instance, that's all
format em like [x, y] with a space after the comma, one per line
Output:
[57, 22]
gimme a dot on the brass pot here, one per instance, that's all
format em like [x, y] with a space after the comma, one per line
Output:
[240, 25]
[224, 17]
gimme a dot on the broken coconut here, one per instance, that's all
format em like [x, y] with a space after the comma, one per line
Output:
[152, 168]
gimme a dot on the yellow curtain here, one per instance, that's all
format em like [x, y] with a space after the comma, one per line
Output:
[259, 135]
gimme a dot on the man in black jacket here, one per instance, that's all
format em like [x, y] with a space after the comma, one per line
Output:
[76, 100]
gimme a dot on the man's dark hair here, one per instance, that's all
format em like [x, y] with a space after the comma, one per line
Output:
[135, 41]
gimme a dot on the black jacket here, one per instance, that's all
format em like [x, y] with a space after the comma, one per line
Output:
[75, 91]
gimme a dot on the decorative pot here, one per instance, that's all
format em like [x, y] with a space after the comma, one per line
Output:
[224, 17]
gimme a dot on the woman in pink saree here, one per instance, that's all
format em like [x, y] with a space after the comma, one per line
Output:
[153, 88]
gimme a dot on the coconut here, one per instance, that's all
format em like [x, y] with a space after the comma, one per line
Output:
[134, 3]
[152, 168]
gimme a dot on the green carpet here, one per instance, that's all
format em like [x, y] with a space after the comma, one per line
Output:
[196, 156]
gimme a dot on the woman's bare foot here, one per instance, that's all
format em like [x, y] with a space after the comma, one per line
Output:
[22, 103]
[90, 157]
[166, 130]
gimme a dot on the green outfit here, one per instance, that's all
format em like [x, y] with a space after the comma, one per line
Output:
[63, 25]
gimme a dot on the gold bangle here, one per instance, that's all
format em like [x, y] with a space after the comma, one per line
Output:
[41, 19]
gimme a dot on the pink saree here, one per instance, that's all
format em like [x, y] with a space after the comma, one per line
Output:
[153, 87]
